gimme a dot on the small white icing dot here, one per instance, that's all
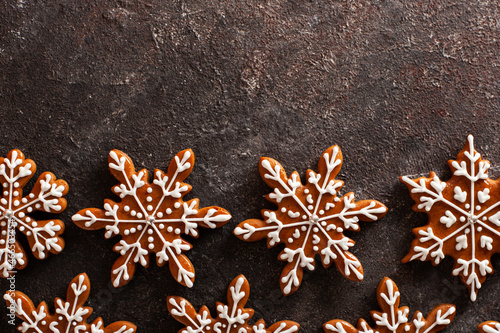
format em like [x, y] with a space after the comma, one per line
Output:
[34, 224]
[149, 190]
[37, 206]
[126, 208]
[44, 322]
[30, 209]
[467, 206]
[74, 323]
[290, 240]
[21, 228]
[24, 200]
[160, 215]
[150, 231]
[283, 210]
[16, 193]
[161, 226]
[323, 223]
[479, 229]
[16, 184]
[151, 246]
[16, 203]
[133, 213]
[315, 229]
[3, 201]
[139, 227]
[139, 215]
[151, 239]
[149, 198]
[3, 224]
[478, 207]
[310, 207]
[321, 212]
[60, 318]
[304, 217]
[133, 230]
[484, 218]
[126, 232]
[5, 184]
[32, 195]
[339, 230]
[467, 231]
[28, 233]
[315, 248]
[2, 241]
[170, 229]
[177, 204]
[306, 191]
[462, 218]
[28, 219]
[150, 208]
[177, 231]
[21, 214]
[6, 193]
[303, 228]
[169, 211]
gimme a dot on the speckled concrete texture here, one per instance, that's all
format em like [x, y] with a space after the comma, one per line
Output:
[397, 85]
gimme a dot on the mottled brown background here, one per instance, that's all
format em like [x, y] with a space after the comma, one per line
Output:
[398, 85]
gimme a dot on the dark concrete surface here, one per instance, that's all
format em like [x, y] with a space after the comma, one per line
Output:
[397, 85]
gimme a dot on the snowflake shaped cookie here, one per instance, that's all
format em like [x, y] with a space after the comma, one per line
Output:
[151, 217]
[70, 316]
[489, 327]
[394, 319]
[15, 212]
[310, 219]
[231, 318]
[464, 217]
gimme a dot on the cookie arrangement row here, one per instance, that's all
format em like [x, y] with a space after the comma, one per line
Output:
[464, 223]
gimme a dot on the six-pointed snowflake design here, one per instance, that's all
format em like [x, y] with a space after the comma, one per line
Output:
[46, 196]
[464, 218]
[232, 318]
[151, 217]
[70, 316]
[489, 327]
[310, 219]
[394, 319]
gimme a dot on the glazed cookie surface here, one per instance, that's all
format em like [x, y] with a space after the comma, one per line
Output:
[151, 217]
[464, 218]
[310, 219]
[394, 319]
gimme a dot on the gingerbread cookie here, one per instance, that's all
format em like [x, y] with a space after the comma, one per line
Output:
[489, 327]
[310, 219]
[231, 318]
[70, 316]
[394, 318]
[151, 217]
[464, 217]
[16, 209]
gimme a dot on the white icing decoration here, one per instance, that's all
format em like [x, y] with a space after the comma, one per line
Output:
[71, 314]
[149, 221]
[228, 317]
[467, 235]
[393, 318]
[312, 228]
[13, 211]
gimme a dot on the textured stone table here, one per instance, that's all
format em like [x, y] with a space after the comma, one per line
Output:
[397, 85]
